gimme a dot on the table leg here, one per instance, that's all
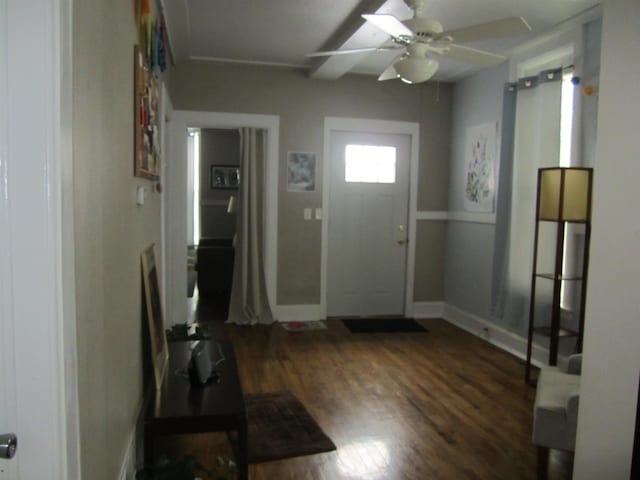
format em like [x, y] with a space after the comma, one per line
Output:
[243, 451]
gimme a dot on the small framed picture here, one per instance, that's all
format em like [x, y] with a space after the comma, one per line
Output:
[301, 172]
[225, 176]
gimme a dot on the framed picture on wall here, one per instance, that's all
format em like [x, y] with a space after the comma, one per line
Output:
[480, 164]
[301, 171]
[225, 176]
[159, 348]
[146, 120]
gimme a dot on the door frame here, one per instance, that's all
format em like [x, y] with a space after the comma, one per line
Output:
[37, 267]
[176, 209]
[362, 125]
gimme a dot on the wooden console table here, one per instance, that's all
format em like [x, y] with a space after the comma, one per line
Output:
[217, 407]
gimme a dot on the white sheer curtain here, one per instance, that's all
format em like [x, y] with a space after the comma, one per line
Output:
[249, 303]
[536, 145]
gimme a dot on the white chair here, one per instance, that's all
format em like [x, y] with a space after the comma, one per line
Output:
[555, 412]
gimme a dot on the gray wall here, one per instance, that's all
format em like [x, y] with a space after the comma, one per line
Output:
[217, 147]
[430, 261]
[302, 104]
[470, 246]
[110, 233]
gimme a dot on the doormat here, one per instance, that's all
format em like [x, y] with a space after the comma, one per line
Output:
[280, 427]
[382, 325]
[303, 326]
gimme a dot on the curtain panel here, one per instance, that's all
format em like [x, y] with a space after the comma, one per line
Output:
[530, 140]
[249, 302]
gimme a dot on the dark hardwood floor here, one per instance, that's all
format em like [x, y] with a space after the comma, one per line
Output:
[437, 405]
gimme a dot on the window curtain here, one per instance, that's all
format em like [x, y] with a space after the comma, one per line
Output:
[535, 143]
[249, 303]
[503, 203]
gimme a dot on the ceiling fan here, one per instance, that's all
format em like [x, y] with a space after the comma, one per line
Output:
[422, 38]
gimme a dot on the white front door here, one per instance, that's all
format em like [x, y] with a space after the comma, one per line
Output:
[368, 223]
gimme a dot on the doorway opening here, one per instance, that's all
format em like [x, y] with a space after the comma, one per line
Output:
[213, 180]
[179, 204]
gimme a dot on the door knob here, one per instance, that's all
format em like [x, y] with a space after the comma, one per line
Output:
[8, 445]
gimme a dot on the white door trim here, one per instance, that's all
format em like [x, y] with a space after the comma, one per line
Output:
[37, 272]
[166, 110]
[181, 119]
[371, 126]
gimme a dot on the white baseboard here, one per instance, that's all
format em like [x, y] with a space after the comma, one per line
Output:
[428, 309]
[300, 313]
[128, 468]
[494, 334]
[309, 313]
[480, 327]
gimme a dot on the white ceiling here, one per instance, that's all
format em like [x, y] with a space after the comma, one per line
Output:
[281, 32]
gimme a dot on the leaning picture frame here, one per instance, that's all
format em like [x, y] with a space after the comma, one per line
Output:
[159, 348]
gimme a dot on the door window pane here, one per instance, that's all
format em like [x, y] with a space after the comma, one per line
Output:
[370, 164]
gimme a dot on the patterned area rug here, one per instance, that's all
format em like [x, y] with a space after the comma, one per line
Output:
[303, 326]
[280, 427]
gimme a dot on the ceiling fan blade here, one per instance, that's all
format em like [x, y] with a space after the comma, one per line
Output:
[473, 56]
[389, 24]
[389, 73]
[482, 31]
[350, 50]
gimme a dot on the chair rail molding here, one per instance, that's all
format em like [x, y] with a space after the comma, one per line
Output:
[472, 217]
[434, 215]
[444, 215]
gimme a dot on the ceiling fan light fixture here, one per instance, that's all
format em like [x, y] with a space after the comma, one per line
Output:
[416, 69]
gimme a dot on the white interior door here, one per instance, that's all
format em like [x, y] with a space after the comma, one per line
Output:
[368, 215]
[37, 341]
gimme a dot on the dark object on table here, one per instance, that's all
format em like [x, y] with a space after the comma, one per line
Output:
[179, 408]
[202, 369]
[182, 332]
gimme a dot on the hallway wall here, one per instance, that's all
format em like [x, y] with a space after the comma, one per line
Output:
[110, 233]
[302, 103]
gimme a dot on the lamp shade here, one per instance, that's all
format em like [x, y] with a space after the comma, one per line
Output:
[564, 194]
[416, 69]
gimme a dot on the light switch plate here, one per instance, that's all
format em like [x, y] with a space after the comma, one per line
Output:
[318, 213]
[307, 214]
